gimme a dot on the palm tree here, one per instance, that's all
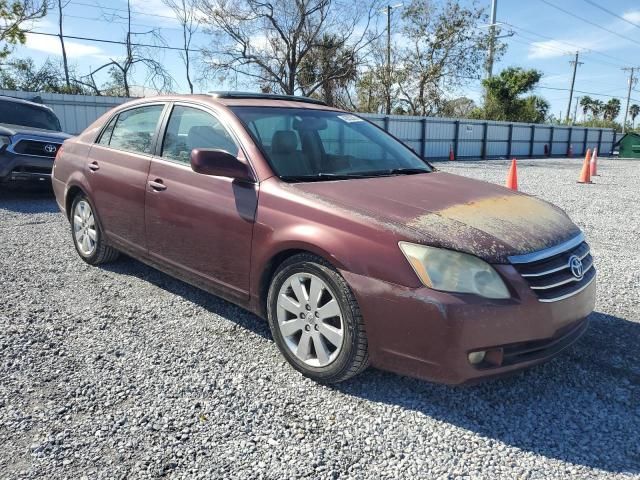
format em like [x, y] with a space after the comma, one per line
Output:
[634, 111]
[597, 107]
[586, 103]
[611, 109]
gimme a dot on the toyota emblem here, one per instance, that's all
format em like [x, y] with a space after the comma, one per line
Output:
[50, 148]
[575, 264]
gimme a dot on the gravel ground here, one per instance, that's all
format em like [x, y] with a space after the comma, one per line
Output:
[122, 371]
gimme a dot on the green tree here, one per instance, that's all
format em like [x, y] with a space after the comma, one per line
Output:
[23, 74]
[14, 15]
[597, 107]
[457, 108]
[505, 98]
[444, 49]
[370, 91]
[634, 111]
[586, 103]
[611, 109]
[328, 69]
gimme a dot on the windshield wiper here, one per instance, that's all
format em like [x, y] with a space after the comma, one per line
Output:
[405, 171]
[318, 177]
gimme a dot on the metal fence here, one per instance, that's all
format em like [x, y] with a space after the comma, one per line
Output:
[433, 137]
[430, 137]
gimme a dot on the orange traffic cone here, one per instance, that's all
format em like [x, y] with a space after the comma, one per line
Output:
[451, 156]
[585, 174]
[512, 177]
[594, 163]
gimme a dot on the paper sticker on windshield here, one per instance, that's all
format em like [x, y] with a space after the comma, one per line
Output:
[350, 118]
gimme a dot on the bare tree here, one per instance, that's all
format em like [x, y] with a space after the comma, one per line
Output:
[15, 17]
[64, 50]
[120, 70]
[186, 14]
[269, 40]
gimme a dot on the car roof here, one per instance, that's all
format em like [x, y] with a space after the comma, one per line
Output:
[25, 102]
[235, 99]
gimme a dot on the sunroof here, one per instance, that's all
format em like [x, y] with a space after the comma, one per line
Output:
[266, 96]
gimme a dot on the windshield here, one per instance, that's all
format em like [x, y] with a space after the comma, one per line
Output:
[305, 145]
[16, 113]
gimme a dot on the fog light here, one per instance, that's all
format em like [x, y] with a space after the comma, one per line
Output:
[476, 357]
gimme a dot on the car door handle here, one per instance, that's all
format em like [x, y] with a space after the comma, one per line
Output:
[157, 185]
[93, 166]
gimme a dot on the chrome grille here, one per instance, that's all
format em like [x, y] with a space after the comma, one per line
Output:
[549, 272]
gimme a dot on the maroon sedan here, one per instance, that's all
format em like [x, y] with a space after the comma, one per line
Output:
[353, 248]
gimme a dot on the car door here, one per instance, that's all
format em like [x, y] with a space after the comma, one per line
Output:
[118, 165]
[199, 224]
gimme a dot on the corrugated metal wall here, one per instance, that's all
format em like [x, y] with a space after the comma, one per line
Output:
[430, 137]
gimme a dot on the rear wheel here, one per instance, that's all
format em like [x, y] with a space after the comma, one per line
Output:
[315, 320]
[87, 235]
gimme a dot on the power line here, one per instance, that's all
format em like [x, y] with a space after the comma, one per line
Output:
[94, 19]
[629, 39]
[115, 42]
[586, 93]
[92, 5]
[572, 45]
[591, 2]
[561, 89]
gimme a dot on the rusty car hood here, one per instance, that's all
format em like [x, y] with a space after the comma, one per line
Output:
[451, 211]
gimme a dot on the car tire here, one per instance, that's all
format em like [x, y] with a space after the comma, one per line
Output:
[87, 234]
[322, 336]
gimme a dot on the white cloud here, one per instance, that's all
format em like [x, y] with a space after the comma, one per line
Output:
[560, 78]
[52, 46]
[550, 49]
[632, 16]
[158, 10]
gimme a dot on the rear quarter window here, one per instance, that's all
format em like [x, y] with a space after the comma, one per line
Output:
[133, 129]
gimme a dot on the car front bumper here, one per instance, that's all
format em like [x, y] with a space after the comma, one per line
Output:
[15, 166]
[428, 334]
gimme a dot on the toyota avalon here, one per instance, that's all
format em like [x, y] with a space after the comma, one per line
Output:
[354, 249]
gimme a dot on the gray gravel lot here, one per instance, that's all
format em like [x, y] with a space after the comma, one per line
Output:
[122, 371]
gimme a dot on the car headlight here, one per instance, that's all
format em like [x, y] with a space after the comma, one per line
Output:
[452, 271]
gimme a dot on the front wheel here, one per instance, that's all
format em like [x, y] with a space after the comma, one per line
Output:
[87, 235]
[315, 320]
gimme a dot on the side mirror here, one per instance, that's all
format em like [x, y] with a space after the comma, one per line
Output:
[209, 161]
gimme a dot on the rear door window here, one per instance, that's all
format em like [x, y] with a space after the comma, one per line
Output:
[134, 129]
[190, 128]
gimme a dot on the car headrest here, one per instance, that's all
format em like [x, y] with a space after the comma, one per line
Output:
[284, 141]
[204, 136]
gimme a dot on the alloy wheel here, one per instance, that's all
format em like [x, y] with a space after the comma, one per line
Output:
[84, 228]
[310, 319]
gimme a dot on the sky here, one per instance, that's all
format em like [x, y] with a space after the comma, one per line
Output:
[544, 38]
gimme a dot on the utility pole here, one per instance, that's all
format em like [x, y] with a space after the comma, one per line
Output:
[632, 82]
[575, 64]
[492, 40]
[64, 51]
[388, 9]
[388, 59]
[575, 110]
